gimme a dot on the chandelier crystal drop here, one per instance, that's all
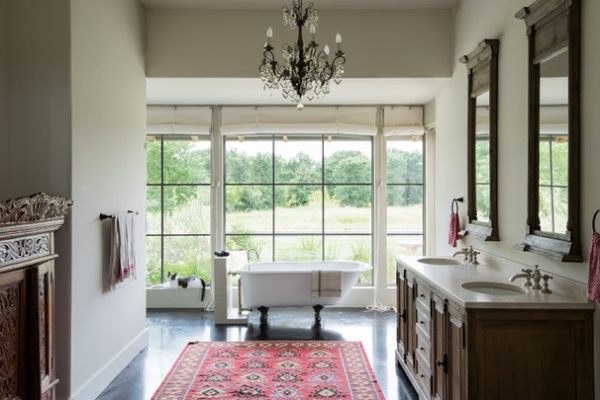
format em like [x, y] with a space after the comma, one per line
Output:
[306, 71]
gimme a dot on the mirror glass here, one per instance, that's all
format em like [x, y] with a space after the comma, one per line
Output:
[553, 185]
[482, 157]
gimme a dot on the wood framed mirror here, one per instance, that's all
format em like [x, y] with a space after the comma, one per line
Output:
[482, 142]
[553, 198]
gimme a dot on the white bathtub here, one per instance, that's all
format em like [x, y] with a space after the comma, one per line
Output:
[288, 284]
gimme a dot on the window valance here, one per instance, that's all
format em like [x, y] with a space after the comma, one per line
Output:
[403, 121]
[191, 120]
[289, 121]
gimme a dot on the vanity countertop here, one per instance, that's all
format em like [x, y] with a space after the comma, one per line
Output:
[448, 280]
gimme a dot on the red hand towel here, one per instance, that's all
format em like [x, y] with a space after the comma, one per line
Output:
[453, 235]
[593, 292]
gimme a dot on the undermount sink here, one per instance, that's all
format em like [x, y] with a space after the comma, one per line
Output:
[496, 288]
[439, 261]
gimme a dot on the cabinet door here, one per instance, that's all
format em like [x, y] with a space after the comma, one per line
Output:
[411, 322]
[401, 315]
[449, 351]
[439, 344]
[456, 354]
[45, 294]
[13, 335]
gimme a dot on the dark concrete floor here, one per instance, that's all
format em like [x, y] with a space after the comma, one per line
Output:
[171, 330]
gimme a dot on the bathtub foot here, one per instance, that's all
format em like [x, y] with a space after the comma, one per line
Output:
[263, 314]
[318, 309]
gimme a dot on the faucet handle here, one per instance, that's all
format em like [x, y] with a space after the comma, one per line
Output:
[475, 253]
[537, 276]
[529, 273]
[546, 277]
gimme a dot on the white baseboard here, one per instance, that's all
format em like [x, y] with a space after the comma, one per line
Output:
[100, 381]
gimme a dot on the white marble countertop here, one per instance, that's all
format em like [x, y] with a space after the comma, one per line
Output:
[448, 280]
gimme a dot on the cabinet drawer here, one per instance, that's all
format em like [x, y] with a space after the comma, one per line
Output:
[423, 373]
[424, 322]
[424, 347]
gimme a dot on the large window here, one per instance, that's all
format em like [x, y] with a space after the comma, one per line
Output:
[178, 207]
[300, 198]
[405, 200]
[239, 182]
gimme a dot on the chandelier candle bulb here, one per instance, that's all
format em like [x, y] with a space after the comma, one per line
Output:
[338, 40]
[269, 36]
[312, 30]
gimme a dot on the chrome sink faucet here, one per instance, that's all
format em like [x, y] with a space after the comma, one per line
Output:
[526, 273]
[535, 275]
[470, 254]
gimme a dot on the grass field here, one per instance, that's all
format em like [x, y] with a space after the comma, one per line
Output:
[298, 236]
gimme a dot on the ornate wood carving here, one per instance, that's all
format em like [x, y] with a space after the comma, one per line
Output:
[23, 249]
[43, 322]
[36, 207]
[9, 340]
[27, 364]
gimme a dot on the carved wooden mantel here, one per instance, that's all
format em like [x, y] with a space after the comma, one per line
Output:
[27, 226]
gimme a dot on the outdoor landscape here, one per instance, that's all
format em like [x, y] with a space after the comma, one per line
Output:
[309, 200]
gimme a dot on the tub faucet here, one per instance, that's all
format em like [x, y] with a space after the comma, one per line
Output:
[255, 253]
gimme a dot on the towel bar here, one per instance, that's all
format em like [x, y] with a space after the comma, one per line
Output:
[105, 216]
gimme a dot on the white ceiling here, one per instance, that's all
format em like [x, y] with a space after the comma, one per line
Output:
[209, 91]
[205, 91]
[320, 4]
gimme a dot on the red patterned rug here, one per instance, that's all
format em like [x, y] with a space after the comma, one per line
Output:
[271, 370]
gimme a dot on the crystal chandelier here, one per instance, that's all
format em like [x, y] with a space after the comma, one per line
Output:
[306, 71]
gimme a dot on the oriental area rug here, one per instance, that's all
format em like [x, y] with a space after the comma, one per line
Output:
[271, 370]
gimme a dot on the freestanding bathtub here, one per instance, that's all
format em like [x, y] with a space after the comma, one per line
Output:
[290, 284]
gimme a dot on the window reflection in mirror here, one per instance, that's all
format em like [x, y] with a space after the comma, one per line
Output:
[554, 145]
[482, 157]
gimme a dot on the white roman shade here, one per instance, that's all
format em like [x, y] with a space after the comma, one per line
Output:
[187, 120]
[403, 121]
[482, 120]
[289, 121]
[554, 120]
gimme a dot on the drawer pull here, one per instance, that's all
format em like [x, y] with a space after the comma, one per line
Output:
[443, 363]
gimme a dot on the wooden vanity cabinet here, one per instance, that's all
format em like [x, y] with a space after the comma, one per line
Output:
[452, 353]
[542, 354]
[27, 354]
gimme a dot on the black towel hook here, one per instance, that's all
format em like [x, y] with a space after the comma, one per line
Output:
[594, 221]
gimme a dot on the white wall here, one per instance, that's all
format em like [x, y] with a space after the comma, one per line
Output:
[109, 172]
[475, 21]
[380, 44]
[38, 98]
[72, 122]
[4, 137]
